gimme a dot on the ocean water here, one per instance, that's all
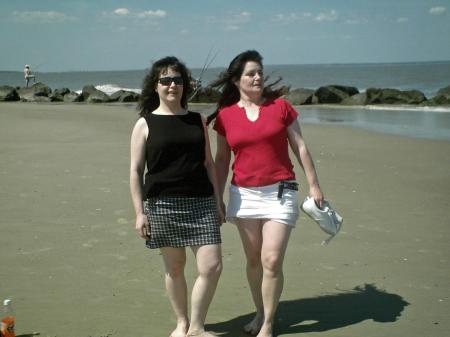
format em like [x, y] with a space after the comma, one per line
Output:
[422, 122]
[427, 77]
[415, 122]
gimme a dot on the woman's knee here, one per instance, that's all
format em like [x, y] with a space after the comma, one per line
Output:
[212, 268]
[254, 261]
[175, 269]
[272, 263]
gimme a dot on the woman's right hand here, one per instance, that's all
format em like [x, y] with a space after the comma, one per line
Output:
[142, 226]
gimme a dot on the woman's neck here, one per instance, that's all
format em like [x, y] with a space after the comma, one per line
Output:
[247, 101]
[170, 109]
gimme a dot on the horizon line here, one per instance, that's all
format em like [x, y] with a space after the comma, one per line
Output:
[265, 65]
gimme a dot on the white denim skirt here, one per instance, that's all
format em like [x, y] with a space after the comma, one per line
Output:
[263, 203]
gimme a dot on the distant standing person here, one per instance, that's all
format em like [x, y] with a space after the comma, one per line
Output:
[28, 75]
[258, 127]
[177, 205]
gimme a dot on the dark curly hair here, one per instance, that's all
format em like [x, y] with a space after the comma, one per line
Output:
[230, 93]
[149, 99]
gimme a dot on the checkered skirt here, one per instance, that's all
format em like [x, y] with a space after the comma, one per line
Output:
[182, 221]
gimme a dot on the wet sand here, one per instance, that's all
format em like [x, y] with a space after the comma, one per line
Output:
[72, 263]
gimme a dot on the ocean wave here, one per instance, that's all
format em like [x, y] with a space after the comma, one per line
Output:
[110, 89]
[408, 108]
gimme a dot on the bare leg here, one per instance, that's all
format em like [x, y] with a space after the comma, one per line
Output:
[275, 239]
[209, 266]
[250, 231]
[175, 261]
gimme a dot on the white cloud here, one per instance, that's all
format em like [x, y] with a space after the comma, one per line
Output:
[184, 32]
[42, 17]
[289, 18]
[438, 10]
[327, 16]
[125, 12]
[402, 20]
[159, 13]
[231, 22]
[122, 11]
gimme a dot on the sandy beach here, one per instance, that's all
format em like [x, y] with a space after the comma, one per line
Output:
[74, 267]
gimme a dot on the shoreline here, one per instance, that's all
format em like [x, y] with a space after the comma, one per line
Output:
[403, 121]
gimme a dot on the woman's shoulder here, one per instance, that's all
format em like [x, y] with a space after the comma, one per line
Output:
[141, 123]
[196, 115]
[228, 108]
[140, 128]
[277, 101]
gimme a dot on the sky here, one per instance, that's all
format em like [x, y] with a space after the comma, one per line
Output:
[84, 35]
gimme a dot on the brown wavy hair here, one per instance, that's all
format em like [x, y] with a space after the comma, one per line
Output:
[149, 99]
[230, 93]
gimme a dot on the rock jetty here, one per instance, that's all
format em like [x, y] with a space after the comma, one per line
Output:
[330, 94]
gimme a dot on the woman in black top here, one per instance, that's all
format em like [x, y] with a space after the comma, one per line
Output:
[177, 205]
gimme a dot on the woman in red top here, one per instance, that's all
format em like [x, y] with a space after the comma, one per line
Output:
[257, 125]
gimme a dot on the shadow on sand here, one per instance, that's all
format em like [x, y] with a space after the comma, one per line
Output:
[325, 313]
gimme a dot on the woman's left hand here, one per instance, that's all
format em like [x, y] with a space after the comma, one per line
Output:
[316, 193]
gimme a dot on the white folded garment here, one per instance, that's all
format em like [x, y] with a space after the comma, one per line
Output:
[327, 218]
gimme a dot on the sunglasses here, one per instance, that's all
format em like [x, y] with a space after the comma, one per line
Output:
[178, 80]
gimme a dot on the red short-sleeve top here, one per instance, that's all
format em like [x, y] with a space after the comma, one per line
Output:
[260, 147]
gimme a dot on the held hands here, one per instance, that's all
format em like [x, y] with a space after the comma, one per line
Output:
[317, 195]
[142, 226]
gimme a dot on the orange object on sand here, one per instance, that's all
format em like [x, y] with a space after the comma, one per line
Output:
[8, 319]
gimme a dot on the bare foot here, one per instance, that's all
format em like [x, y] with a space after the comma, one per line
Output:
[255, 325]
[200, 334]
[266, 331]
[180, 330]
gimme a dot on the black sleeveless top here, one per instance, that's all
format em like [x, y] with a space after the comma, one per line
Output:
[175, 157]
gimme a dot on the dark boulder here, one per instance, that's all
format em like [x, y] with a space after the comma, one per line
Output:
[300, 96]
[442, 97]
[358, 99]
[332, 94]
[124, 96]
[62, 91]
[8, 94]
[58, 94]
[93, 95]
[206, 95]
[41, 89]
[394, 96]
[444, 91]
[72, 97]
[348, 90]
[55, 97]
[38, 92]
